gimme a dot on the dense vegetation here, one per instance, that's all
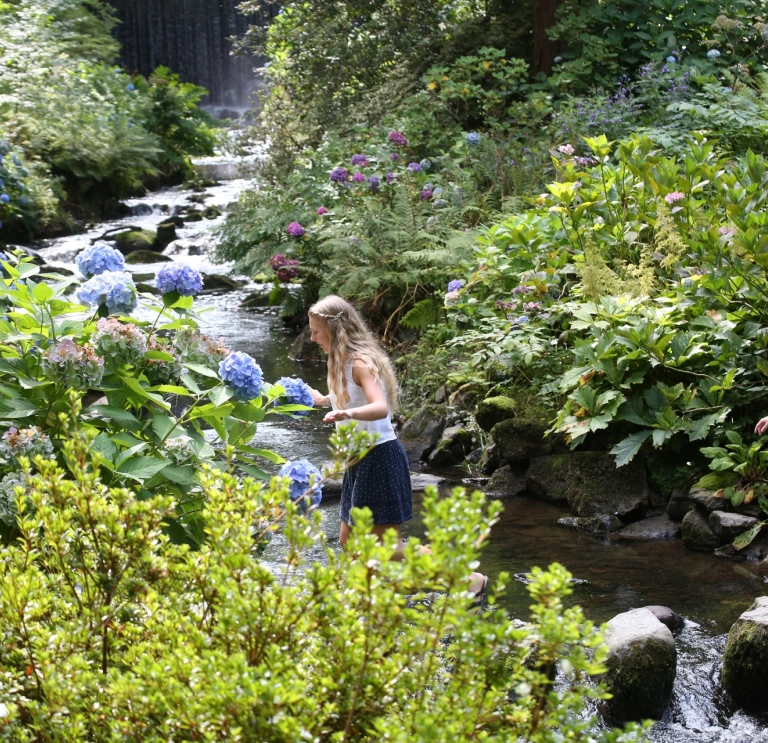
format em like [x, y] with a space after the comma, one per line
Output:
[600, 226]
[76, 132]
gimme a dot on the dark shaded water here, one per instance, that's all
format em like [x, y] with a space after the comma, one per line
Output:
[611, 576]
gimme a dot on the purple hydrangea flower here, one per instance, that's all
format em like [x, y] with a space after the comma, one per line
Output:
[114, 289]
[414, 167]
[531, 306]
[520, 320]
[451, 299]
[97, 259]
[397, 139]
[455, 285]
[394, 156]
[390, 177]
[522, 290]
[425, 194]
[339, 175]
[124, 343]
[359, 177]
[359, 160]
[473, 138]
[671, 198]
[297, 393]
[178, 277]
[295, 230]
[321, 210]
[374, 182]
[241, 372]
[306, 482]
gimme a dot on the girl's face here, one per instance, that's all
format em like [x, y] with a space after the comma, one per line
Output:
[319, 333]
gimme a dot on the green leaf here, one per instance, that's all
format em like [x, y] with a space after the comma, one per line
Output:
[117, 415]
[103, 445]
[184, 475]
[253, 471]
[266, 453]
[247, 412]
[162, 425]
[171, 389]
[204, 370]
[141, 468]
[219, 395]
[745, 538]
[42, 292]
[17, 408]
[625, 450]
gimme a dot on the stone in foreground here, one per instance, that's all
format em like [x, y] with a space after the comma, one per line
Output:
[697, 533]
[745, 662]
[657, 527]
[642, 663]
[728, 525]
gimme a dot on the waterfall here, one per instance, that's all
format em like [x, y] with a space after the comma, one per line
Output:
[192, 38]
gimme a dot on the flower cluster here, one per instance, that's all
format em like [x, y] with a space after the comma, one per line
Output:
[671, 198]
[306, 482]
[180, 278]
[295, 230]
[531, 306]
[359, 161]
[522, 289]
[73, 365]
[520, 320]
[296, 393]
[113, 289]
[285, 268]
[455, 285]
[397, 139]
[180, 448]
[123, 343]
[425, 194]
[414, 167]
[359, 177]
[473, 138]
[162, 371]
[566, 149]
[8, 485]
[25, 442]
[373, 183]
[451, 299]
[506, 306]
[339, 175]
[97, 259]
[321, 210]
[242, 374]
[713, 54]
[194, 347]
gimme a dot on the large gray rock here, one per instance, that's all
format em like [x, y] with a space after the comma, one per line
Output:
[216, 282]
[493, 410]
[595, 486]
[755, 550]
[603, 523]
[422, 431]
[678, 505]
[728, 525]
[667, 617]
[697, 533]
[136, 257]
[454, 444]
[547, 478]
[745, 661]
[657, 527]
[706, 499]
[520, 439]
[506, 483]
[641, 666]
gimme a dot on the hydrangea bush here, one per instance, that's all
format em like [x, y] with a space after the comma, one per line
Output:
[134, 385]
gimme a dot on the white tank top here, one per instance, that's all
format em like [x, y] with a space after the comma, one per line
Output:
[383, 426]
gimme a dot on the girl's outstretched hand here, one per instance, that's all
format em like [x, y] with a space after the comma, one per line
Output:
[337, 415]
[762, 426]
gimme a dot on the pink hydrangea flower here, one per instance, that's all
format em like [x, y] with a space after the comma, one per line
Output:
[671, 198]
[321, 210]
[566, 149]
[295, 230]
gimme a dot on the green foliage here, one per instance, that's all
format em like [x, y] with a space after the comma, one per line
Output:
[144, 405]
[97, 616]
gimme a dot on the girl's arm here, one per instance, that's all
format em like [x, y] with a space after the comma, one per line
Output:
[376, 407]
[320, 400]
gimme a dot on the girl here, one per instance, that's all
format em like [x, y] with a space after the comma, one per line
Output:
[363, 388]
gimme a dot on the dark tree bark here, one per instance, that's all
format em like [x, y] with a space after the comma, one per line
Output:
[544, 48]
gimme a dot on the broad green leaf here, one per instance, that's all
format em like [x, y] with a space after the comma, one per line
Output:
[266, 453]
[17, 408]
[204, 370]
[220, 395]
[253, 471]
[162, 425]
[122, 417]
[745, 539]
[626, 450]
[103, 445]
[181, 475]
[42, 292]
[141, 468]
[128, 453]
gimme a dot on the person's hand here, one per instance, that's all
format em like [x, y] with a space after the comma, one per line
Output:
[762, 426]
[337, 415]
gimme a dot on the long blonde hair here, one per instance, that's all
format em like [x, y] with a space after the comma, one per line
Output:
[350, 340]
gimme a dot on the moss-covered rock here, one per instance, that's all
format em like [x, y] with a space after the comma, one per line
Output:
[193, 217]
[216, 282]
[596, 485]
[641, 666]
[745, 661]
[716, 480]
[520, 439]
[506, 482]
[132, 240]
[166, 234]
[211, 212]
[493, 410]
[136, 257]
[697, 533]
[547, 478]
[454, 444]
[603, 523]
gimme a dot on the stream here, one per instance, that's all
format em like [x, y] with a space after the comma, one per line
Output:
[610, 576]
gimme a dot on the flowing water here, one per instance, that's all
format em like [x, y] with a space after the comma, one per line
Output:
[610, 576]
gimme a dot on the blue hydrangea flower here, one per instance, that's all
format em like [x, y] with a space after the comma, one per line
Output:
[297, 393]
[305, 478]
[179, 277]
[671, 59]
[97, 259]
[130, 87]
[414, 167]
[241, 372]
[455, 285]
[713, 54]
[5, 198]
[425, 164]
[114, 289]
[473, 138]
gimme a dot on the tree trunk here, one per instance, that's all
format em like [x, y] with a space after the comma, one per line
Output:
[544, 49]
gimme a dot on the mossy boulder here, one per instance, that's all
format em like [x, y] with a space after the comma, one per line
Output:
[212, 212]
[256, 299]
[641, 666]
[422, 431]
[136, 257]
[166, 234]
[697, 533]
[506, 482]
[193, 217]
[603, 523]
[493, 410]
[596, 485]
[454, 444]
[745, 661]
[216, 282]
[547, 478]
[132, 240]
[716, 480]
[520, 439]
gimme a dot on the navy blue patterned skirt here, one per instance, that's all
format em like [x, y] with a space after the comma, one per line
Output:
[381, 481]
